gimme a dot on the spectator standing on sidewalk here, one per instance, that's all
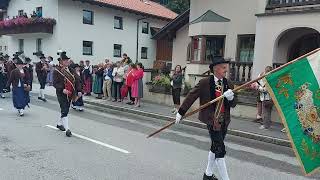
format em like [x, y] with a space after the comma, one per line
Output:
[129, 81]
[176, 83]
[98, 80]
[137, 85]
[266, 100]
[107, 83]
[87, 77]
[117, 74]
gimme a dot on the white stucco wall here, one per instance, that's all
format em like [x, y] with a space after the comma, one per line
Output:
[180, 47]
[242, 16]
[49, 10]
[72, 32]
[266, 37]
[4, 44]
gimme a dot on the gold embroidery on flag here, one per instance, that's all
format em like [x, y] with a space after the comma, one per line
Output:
[307, 112]
[310, 152]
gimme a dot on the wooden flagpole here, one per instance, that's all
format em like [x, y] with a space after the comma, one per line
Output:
[234, 90]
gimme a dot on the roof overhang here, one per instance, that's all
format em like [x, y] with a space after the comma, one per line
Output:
[172, 27]
[102, 4]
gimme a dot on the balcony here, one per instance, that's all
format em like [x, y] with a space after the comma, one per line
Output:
[275, 4]
[27, 25]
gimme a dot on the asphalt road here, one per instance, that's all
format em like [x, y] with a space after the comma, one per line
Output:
[113, 146]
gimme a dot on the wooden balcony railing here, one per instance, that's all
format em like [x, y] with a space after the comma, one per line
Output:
[273, 4]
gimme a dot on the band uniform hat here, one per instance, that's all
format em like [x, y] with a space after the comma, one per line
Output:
[42, 56]
[218, 60]
[27, 60]
[64, 56]
[18, 60]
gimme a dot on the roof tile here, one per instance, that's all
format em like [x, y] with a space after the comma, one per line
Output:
[142, 6]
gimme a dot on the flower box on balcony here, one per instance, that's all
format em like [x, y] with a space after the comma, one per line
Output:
[27, 25]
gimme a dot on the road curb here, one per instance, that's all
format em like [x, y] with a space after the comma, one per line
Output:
[257, 137]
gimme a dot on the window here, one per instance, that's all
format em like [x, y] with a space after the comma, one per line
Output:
[39, 45]
[0, 48]
[118, 23]
[20, 13]
[39, 11]
[214, 47]
[197, 46]
[87, 17]
[87, 47]
[245, 48]
[189, 50]
[145, 27]
[5, 48]
[144, 53]
[117, 48]
[21, 45]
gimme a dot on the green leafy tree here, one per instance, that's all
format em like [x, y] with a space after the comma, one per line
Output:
[179, 6]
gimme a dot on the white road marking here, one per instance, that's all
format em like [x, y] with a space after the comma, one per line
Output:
[95, 141]
[1, 109]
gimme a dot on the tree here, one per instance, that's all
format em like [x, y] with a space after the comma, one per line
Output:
[179, 6]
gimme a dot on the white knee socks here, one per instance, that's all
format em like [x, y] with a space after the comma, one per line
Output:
[41, 94]
[222, 168]
[211, 164]
[65, 121]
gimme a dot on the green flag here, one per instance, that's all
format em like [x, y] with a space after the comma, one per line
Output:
[295, 90]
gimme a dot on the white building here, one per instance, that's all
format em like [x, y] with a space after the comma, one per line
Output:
[90, 30]
[3, 39]
[252, 33]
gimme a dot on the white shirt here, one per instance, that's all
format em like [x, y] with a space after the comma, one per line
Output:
[120, 72]
[216, 81]
[264, 95]
[22, 72]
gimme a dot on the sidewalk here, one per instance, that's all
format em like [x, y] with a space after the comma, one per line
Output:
[238, 126]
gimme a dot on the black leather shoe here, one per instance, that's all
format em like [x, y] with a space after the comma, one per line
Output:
[40, 98]
[61, 128]
[44, 100]
[68, 133]
[205, 177]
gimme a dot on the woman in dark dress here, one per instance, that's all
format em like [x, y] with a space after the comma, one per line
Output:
[20, 80]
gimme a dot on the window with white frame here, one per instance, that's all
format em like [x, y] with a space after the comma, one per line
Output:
[145, 28]
[117, 48]
[21, 45]
[87, 17]
[87, 47]
[118, 22]
[39, 45]
[144, 53]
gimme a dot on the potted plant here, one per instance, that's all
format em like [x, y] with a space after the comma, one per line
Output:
[161, 84]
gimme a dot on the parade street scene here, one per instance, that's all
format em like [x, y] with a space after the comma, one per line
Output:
[159, 90]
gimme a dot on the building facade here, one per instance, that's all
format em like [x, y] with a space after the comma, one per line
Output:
[91, 30]
[253, 35]
[3, 39]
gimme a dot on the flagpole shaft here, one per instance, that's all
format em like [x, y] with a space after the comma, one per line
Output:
[234, 90]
